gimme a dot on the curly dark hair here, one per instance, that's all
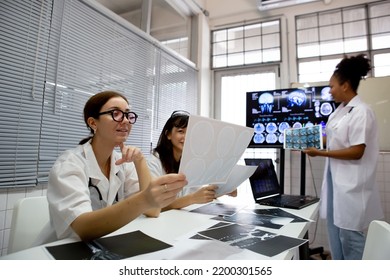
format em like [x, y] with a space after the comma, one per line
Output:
[352, 70]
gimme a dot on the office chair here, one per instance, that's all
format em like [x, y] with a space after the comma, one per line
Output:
[377, 245]
[30, 220]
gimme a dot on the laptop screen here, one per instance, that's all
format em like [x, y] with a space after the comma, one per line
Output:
[264, 181]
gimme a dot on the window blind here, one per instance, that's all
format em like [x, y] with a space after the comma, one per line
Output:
[55, 59]
[176, 90]
[24, 34]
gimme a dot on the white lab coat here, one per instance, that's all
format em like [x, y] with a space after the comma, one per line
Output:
[356, 197]
[69, 193]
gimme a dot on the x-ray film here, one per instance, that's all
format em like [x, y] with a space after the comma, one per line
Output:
[303, 138]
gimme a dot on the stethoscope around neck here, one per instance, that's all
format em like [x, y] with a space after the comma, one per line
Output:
[90, 185]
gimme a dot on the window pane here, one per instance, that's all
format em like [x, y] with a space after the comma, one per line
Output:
[308, 50]
[379, 25]
[357, 28]
[270, 41]
[235, 46]
[307, 22]
[219, 36]
[271, 27]
[219, 48]
[307, 36]
[382, 64]
[271, 55]
[331, 32]
[253, 30]
[318, 70]
[380, 41]
[331, 47]
[253, 57]
[308, 67]
[355, 44]
[330, 18]
[253, 43]
[354, 14]
[235, 33]
[235, 59]
[380, 10]
[314, 77]
[329, 65]
[220, 61]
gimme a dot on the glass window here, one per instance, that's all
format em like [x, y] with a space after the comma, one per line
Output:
[179, 45]
[307, 21]
[252, 43]
[324, 35]
[314, 71]
[248, 44]
[308, 36]
[235, 46]
[253, 30]
[382, 64]
[235, 33]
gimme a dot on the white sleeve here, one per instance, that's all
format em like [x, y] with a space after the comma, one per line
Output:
[131, 179]
[67, 193]
[155, 166]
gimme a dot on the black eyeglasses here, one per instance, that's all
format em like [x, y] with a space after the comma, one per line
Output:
[118, 115]
[180, 113]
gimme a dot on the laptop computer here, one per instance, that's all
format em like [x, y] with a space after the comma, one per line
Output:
[267, 190]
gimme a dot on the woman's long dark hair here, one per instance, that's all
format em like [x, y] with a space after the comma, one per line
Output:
[352, 69]
[164, 147]
[93, 107]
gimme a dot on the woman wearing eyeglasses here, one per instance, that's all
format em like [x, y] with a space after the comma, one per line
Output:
[166, 156]
[93, 189]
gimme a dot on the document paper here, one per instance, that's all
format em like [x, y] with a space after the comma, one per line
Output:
[212, 149]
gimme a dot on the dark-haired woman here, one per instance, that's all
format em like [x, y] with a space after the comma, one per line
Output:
[166, 157]
[94, 190]
[350, 197]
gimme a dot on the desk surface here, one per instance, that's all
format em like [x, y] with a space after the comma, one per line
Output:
[176, 226]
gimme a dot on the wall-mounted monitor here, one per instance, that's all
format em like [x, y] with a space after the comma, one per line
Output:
[271, 112]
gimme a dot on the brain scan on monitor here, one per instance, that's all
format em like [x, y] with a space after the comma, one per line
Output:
[271, 112]
[296, 99]
[266, 102]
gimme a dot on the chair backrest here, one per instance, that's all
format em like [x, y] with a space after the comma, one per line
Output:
[30, 216]
[377, 245]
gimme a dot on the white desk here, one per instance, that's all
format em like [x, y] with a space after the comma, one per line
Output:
[176, 226]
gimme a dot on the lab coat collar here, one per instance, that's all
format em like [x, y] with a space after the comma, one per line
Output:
[354, 101]
[97, 176]
[95, 171]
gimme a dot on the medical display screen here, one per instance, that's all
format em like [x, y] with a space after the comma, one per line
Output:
[271, 112]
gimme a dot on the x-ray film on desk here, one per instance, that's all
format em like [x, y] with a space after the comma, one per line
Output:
[267, 190]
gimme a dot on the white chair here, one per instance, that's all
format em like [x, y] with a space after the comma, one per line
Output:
[30, 220]
[377, 245]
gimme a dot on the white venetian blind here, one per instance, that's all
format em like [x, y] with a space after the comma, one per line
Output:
[92, 50]
[176, 90]
[24, 33]
[54, 55]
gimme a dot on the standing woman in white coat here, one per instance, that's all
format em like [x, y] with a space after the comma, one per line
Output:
[93, 189]
[350, 197]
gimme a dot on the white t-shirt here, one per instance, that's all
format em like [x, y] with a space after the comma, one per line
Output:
[355, 196]
[77, 185]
